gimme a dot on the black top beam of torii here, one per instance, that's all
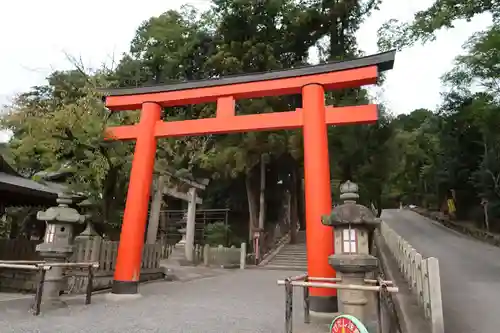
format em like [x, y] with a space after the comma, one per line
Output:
[384, 61]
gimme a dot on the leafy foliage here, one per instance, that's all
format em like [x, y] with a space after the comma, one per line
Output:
[442, 14]
[70, 110]
[417, 158]
[454, 149]
[217, 233]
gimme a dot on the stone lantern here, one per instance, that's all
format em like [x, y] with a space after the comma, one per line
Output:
[89, 232]
[353, 225]
[57, 245]
[89, 235]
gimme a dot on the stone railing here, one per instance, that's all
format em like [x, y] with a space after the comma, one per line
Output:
[225, 257]
[421, 274]
[273, 245]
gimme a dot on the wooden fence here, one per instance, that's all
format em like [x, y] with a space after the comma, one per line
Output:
[90, 250]
[421, 274]
[105, 253]
[18, 249]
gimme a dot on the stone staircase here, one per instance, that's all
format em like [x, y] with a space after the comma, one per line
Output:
[291, 256]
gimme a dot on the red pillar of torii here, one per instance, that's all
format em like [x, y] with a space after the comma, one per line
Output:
[313, 118]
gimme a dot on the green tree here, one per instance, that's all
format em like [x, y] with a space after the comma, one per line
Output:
[456, 147]
[61, 125]
[442, 14]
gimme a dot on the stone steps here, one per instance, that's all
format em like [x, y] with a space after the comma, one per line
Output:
[292, 257]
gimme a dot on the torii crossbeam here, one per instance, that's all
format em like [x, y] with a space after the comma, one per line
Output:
[313, 118]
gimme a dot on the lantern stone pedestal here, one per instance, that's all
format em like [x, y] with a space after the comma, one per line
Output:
[354, 225]
[57, 247]
[353, 269]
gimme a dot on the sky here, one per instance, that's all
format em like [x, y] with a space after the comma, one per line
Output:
[37, 35]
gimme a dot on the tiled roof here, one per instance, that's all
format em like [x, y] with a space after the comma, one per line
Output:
[21, 182]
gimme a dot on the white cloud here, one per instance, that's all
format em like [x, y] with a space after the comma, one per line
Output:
[415, 80]
[39, 33]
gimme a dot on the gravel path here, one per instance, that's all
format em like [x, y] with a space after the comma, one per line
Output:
[470, 271]
[240, 301]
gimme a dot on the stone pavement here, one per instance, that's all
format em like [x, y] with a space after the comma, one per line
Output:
[469, 269]
[234, 302]
[8, 297]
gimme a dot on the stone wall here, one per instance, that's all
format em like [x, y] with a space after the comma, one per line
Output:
[15, 280]
[225, 257]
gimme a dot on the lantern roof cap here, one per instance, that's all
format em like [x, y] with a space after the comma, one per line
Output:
[349, 214]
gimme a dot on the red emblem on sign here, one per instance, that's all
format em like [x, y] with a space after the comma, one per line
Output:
[347, 324]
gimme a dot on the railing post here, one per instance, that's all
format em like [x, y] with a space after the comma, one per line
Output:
[426, 294]
[39, 291]
[288, 305]
[206, 254]
[436, 306]
[419, 289]
[243, 255]
[90, 285]
[307, 319]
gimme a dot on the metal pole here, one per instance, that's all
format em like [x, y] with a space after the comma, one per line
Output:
[21, 262]
[16, 266]
[90, 283]
[338, 279]
[338, 286]
[307, 319]
[288, 306]
[39, 291]
[379, 304]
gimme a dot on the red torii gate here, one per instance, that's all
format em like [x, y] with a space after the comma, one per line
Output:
[313, 118]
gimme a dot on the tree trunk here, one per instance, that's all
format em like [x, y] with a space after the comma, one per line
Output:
[262, 196]
[379, 205]
[108, 192]
[294, 214]
[155, 211]
[486, 217]
[301, 218]
[14, 228]
[262, 204]
[252, 206]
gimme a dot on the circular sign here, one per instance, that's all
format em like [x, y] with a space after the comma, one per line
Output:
[347, 324]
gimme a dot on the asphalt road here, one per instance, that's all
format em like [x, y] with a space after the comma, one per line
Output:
[470, 271]
[247, 301]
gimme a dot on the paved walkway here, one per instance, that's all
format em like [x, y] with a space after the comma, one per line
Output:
[470, 271]
[236, 302]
